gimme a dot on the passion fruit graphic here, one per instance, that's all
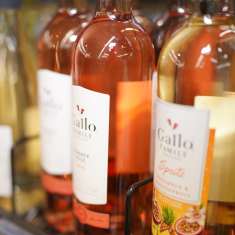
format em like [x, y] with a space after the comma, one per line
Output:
[185, 227]
[156, 213]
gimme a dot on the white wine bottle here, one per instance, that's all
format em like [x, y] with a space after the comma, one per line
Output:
[11, 96]
[194, 181]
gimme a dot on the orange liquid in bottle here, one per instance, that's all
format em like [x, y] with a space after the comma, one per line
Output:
[55, 54]
[114, 56]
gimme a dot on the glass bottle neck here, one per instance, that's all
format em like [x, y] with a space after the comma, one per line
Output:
[214, 7]
[121, 7]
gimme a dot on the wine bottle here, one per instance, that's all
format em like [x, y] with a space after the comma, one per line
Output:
[170, 22]
[54, 82]
[112, 70]
[144, 20]
[194, 135]
[11, 97]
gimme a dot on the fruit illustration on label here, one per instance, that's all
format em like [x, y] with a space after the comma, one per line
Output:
[182, 169]
[156, 213]
[168, 220]
[192, 223]
[164, 217]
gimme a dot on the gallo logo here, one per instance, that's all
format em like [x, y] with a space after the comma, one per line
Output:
[171, 124]
[172, 142]
[49, 101]
[82, 123]
[80, 110]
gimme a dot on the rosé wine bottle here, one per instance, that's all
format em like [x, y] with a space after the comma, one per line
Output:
[112, 71]
[55, 59]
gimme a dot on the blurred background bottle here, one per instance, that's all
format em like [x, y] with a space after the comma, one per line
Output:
[32, 19]
[141, 17]
[176, 15]
[55, 57]
[12, 99]
[28, 195]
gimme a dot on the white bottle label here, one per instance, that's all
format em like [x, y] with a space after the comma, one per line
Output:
[222, 119]
[6, 143]
[55, 121]
[181, 143]
[90, 145]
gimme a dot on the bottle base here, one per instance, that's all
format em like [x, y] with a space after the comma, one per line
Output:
[59, 215]
[61, 222]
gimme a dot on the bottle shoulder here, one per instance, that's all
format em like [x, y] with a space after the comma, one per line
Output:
[199, 59]
[103, 38]
[63, 29]
[199, 40]
[163, 32]
[57, 41]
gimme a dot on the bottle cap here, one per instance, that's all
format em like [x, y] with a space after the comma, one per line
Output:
[10, 3]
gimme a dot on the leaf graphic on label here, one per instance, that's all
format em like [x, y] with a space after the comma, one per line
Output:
[168, 215]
